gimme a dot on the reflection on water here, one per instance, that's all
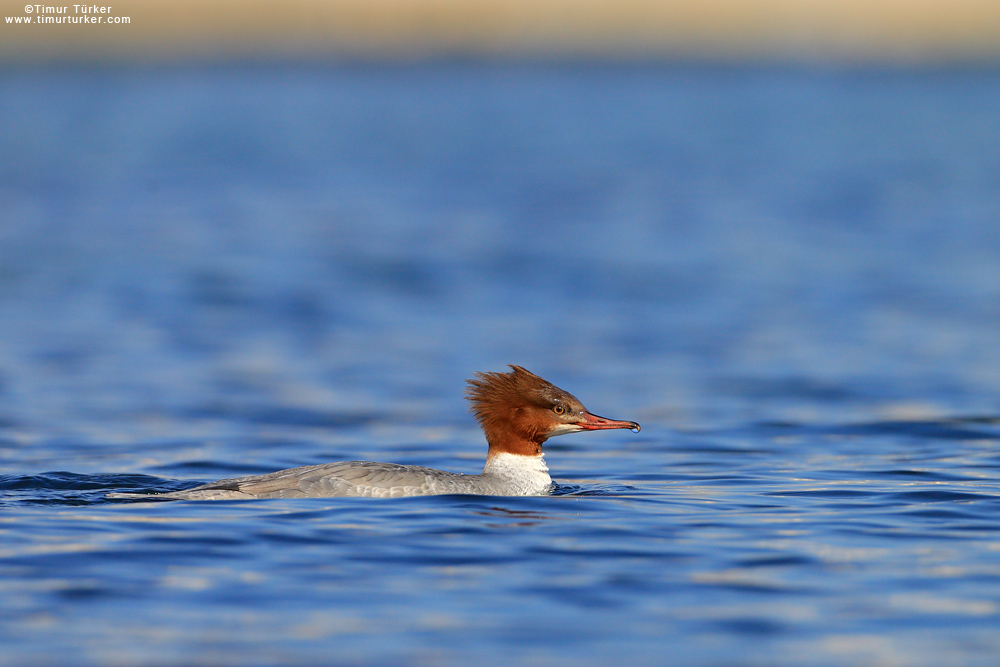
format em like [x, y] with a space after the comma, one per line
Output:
[788, 277]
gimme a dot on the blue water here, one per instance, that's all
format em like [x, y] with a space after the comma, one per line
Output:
[790, 277]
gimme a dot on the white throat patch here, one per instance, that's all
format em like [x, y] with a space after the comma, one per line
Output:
[528, 474]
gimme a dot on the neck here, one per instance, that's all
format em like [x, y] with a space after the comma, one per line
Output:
[506, 441]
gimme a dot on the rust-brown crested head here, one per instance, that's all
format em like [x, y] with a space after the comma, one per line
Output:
[519, 410]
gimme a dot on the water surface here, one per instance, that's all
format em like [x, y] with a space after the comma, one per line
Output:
[790, 277]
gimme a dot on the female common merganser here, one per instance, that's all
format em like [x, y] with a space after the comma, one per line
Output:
[517, 411]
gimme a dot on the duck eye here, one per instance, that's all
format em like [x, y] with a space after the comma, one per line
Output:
[559, 410]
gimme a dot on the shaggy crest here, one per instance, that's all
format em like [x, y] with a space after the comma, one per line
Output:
[495, 396]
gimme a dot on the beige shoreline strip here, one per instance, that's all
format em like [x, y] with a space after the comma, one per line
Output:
[856, 29]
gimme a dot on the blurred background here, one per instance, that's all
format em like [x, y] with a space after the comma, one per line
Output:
[704, 206]
[853, 30]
